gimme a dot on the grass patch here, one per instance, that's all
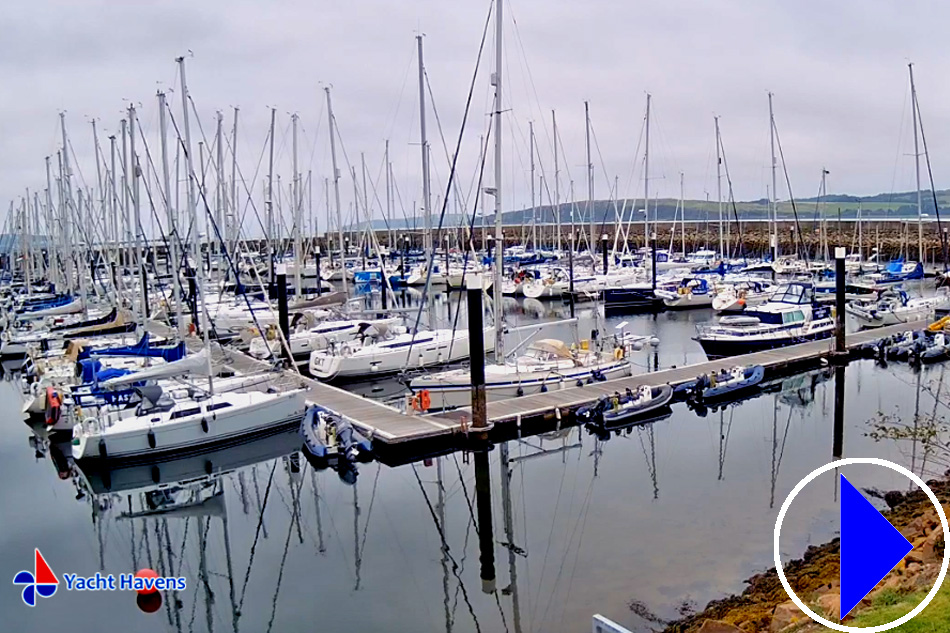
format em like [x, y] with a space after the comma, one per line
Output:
[887, 598]
[888, 606]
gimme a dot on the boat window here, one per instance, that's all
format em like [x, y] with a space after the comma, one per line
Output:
[219, 405]
[795, 316]
[184, 413]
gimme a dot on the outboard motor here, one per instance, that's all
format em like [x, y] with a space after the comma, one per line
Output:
[347, 443]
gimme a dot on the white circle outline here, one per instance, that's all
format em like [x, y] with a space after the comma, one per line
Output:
[880, 628]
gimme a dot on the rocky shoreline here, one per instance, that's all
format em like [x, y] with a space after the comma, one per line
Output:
[764, 606]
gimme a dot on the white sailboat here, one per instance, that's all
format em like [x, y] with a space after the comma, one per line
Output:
[390, 355]
[305, 341]
[160, 425]
[547, 364]
[896, 308]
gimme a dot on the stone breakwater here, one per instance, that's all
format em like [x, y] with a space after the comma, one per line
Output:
[764, 606]
[893, 238]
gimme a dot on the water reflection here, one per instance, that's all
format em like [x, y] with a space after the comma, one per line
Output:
[566, 523]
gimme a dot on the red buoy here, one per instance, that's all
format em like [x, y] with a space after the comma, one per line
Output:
[145, 572]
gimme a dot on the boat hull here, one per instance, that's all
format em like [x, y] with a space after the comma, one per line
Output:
[721, 348]
[446, 395]
[631, 301]
[147, 442]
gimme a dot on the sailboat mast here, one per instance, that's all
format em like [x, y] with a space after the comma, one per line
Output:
[590, 178]
[722, 253]
[137, 215]
[683, 217]
[499, 236]
[824, 220]
[920, 203]
[426, 202]
[646, 179]
[557, 185]
[269, 220]
[193, 214]
[219, 198]
[389, 204]
[534, 219]
[51, 230]
[170, 213]
[234, 229]
[298, 217]
[773, 229]
[67, 201]
[336, 188]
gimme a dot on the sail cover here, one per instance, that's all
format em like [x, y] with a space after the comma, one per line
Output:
[196, 364]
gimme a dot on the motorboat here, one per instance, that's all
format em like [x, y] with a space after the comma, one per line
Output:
[725, 383]
[689, 292]
[329, 437]
[738, 296]
[790, 316]
[619, 410]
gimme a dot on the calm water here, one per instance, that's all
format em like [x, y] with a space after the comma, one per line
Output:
[680, 511]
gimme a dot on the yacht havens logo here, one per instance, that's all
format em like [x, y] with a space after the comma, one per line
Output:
[40, 581]
[43, 582]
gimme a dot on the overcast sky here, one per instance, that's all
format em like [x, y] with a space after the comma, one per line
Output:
[838, 71]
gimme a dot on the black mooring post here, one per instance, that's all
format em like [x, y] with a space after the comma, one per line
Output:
[476, 339]
[840, 344]
[486, 541]
[603, 250]
[283, 317]
[570, 273]
[837, 450]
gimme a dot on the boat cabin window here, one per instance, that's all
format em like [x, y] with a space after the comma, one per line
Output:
[792, 293]
[219, 405]
[795, 316]
[184, 413]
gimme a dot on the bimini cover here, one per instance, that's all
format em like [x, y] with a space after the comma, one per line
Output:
[197, 365]
[552, 346]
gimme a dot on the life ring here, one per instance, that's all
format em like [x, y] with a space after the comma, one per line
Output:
[346, 350]
[53, 406]
[415, 403]
[425, 400]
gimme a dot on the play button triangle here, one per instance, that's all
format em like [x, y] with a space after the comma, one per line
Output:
[870, 547]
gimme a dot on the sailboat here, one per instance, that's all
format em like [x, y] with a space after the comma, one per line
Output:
[386, 354]
[547, 364]
[160, 425]
[896, 307]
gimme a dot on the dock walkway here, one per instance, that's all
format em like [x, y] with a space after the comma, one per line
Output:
[390, 426]
[375, 419]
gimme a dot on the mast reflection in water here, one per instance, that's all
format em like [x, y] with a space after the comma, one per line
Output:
[268, 542]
